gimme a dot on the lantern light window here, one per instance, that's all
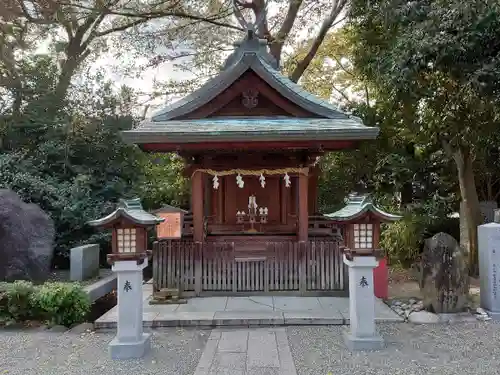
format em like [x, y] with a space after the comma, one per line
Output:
[363, 236]
[127, 240]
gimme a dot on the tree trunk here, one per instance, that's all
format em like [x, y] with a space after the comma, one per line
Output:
[468, 191]
[64, 80]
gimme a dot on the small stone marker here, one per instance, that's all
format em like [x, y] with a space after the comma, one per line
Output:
[84, 262]
[489, 266]
[444, 275]
[362, 333]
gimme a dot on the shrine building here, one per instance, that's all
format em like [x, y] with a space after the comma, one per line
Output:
[251, 140]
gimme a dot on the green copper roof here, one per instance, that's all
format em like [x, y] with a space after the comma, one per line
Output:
[131, 210]
[359, 205]
[239, 129]
[328, 122]
[250, 60]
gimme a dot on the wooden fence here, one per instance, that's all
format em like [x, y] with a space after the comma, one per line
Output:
[219, 268]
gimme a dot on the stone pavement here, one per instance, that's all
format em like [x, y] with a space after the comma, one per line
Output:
[248, 311]
[258, 351]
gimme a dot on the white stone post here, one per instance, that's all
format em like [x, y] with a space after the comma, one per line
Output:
[362, 333]
[489, 266]
[130, 340]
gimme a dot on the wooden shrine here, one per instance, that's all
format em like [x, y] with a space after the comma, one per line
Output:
[251, 140]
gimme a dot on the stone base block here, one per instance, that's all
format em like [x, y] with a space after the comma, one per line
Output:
[375, 342]
[130, 350]
[494, 315]
[167, 302]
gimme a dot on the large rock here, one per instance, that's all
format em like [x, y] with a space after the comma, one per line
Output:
[444, 275]
[26, 239]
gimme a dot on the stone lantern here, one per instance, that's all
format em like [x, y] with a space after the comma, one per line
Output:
[367, 271]
[129, 224]
[361, 220]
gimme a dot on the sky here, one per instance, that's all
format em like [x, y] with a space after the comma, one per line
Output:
[113, 69]
[165, 71]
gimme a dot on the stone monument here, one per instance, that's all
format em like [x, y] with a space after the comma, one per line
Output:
[26, 239]
[444, 275]
[489, 266]
[362, 333]
[129, 224]
[84, 262]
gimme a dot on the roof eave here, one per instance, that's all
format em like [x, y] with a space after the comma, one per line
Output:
[141, 137]
[365, 210]
[120, 212]
[260, 68]
[208, 91]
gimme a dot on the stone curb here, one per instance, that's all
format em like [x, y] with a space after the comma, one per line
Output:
[218, 321]
[101, 287]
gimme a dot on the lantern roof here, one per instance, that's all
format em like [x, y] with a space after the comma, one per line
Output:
[168, 209]
[130, 210]
[359, 206]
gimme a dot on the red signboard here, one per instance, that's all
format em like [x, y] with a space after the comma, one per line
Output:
[171, 228]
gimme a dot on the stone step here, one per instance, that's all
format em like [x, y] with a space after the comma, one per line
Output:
[166, 293]
[176, 301]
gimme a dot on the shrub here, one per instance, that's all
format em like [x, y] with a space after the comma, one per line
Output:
[63, 303]
[56, 302]
[403, 240]
[17, 302]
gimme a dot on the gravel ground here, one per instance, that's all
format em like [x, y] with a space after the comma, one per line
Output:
[456, 349]
[175, 352]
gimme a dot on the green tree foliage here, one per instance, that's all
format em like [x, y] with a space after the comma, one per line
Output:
[394, 163]
[164, 182]
[439, 61]
[74, 165]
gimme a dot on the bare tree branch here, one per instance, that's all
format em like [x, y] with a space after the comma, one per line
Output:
[27, 15]
[342, 66]
[343, 94]
[212, 19]
[278, 41]
[326, 25]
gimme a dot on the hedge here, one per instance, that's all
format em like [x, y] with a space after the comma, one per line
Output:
[56, 303]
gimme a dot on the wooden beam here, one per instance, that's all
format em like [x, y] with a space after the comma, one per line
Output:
[303, 211]
[249, 145]
[220, 200]
[197, 205]
[376, 234]
[313, 190]
[284, 197]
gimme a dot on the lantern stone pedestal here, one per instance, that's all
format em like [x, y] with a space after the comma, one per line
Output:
[362, 333]
[130, 341]
[489, 266]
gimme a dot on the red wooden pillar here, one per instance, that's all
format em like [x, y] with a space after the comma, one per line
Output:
[302, 230]
[197, 210]
[303, 208]
[313, 191]
[197, 206]
[381, 273]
